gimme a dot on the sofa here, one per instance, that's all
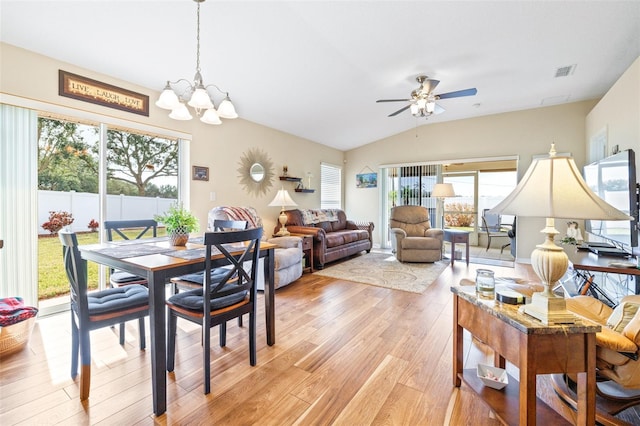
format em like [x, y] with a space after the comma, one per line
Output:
[288, 255]
[334, 237]
[416, 240]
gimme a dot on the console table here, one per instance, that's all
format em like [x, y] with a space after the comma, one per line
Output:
[531, 346]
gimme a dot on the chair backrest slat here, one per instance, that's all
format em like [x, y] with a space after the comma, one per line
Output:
[76, 268]
[220, 225]
[243, 265]
[117, 227]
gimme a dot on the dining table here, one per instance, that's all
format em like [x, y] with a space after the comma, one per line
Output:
[157, 261]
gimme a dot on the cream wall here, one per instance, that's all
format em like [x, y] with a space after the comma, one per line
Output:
[521, 133]
[27, 78]
[619, 112]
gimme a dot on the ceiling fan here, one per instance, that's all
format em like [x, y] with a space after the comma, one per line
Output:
[423, 102]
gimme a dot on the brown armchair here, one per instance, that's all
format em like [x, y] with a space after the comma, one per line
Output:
[416, 240]
[617, 349]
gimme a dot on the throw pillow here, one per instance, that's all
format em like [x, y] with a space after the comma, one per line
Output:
[622, 314]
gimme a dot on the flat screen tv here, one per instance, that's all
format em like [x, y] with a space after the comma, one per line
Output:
[614, 180]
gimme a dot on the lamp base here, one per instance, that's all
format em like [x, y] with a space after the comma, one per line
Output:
[549, 310]
[282, 232]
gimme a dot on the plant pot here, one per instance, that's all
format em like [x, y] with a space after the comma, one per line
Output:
[179, 237]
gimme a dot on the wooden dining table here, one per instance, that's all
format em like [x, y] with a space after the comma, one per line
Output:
[158, 261]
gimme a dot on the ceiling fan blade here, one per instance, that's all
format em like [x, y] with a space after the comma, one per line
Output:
[458, 93]
[438, 110]
[429, 85]
[392, 100]
[399, 111]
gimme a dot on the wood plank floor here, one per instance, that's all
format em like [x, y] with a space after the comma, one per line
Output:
[346, 354]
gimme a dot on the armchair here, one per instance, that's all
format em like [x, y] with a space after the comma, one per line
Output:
[617, 349]
[416, 240]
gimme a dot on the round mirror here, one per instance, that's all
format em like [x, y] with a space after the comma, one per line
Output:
[257, 172]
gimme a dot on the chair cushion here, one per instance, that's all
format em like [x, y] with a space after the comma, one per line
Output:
[194, 301]
[622, 314]
[122, 277]
[287, 257]
[118, 298]
[421, 243]
[216, 276]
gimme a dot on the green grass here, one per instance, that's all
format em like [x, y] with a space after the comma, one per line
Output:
[52, 279]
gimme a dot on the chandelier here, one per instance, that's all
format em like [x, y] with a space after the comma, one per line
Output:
[423, 105]
[176, 93]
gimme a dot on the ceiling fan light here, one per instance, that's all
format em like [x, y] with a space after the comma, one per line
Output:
[422, 103]
[181, 113]
[210, 116]
[168, 99]
[200, 99]
[431, 106]
[226, 109]
[415, 109]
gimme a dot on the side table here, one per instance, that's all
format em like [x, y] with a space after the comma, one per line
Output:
[307, 249]
[457, 236]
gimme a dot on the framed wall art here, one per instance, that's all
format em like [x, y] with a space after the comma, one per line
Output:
[200, 173]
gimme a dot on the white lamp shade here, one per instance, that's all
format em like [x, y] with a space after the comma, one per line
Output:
[210, 116]
[282, 199]
[226, 109]
[553, 188]
[443, 190]
[200, 99]
[180, 112]
[168, 99]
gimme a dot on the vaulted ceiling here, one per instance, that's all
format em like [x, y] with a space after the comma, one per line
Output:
[315, 68]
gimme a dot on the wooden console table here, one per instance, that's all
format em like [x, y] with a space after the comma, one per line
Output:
[531, 346]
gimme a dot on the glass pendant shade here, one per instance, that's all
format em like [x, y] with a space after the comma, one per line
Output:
[415, 109]
[168, 99]
[180, 113]
[226, 109]
[431, 106]
[200, 99]
[210, 116]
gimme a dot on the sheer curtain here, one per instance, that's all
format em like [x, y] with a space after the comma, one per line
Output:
[18, 203]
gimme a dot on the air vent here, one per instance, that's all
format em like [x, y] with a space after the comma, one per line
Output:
[565, 71]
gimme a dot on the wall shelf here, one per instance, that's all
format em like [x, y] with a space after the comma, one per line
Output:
[304, 190]
[291, 179]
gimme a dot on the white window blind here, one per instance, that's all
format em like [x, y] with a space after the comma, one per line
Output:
[330, 186]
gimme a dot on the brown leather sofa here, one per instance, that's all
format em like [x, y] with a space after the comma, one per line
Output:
[334, 237]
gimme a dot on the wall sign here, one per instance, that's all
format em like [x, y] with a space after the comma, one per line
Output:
[88, 90]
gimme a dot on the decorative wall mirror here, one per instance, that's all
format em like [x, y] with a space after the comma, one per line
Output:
[256, 171]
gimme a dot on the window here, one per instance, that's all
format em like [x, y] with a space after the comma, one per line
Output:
[330, 186]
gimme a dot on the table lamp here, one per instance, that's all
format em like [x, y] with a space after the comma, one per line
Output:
[282, 199]
[442, 191]
[552, 188]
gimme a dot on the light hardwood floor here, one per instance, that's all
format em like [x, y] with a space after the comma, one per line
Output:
[346, 354]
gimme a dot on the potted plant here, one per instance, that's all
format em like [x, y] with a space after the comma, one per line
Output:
[179, 223]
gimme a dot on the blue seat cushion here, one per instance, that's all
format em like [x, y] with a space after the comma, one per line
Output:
[116, 299]
[122, 277]
[193, 300]
[216, 276]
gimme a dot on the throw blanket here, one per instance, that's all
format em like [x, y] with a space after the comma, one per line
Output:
[311, 217]
[243, 213]
[13, 310]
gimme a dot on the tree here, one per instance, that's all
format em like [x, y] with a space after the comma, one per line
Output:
[65, 162]
[138, 159]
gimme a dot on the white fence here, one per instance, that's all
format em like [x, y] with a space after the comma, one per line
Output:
[84, 207]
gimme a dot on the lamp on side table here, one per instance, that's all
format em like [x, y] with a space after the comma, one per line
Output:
[282, 199]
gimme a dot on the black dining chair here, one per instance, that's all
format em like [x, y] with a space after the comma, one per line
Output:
[97, 309]
[215, 303]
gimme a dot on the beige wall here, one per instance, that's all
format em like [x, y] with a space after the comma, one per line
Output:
[619, 113]
[522, 133]
[32, 77]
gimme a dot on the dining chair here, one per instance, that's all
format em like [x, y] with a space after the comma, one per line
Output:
[215, 303]
[492, 227]
[145, 228]
[96, 309]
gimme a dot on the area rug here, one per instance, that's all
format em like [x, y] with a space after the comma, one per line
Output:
[384, 270]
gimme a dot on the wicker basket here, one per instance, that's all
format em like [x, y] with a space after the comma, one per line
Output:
[16, 336]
